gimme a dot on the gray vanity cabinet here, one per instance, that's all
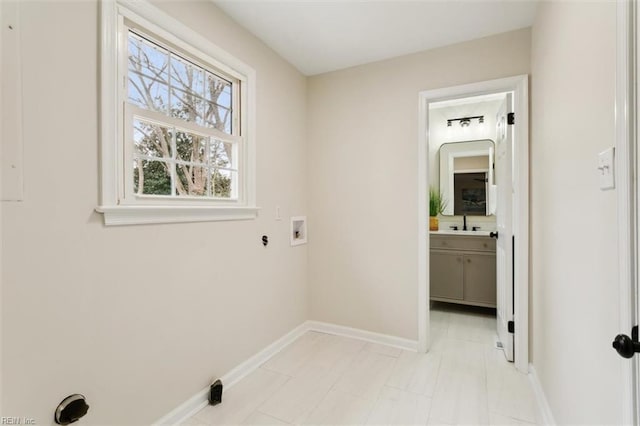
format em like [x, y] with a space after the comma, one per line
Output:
[447, 279]
[463, 269]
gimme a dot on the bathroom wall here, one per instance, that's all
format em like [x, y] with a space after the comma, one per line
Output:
[573, 223]
[440, 133]
[363, 146]
[138, 318]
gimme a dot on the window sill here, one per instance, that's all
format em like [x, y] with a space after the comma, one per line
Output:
[143, 215]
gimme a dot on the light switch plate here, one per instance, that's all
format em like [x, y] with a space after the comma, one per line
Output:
[606, 169]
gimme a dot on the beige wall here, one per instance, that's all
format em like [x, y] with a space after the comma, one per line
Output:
[574, 276]
[363, 140]
[138, 318]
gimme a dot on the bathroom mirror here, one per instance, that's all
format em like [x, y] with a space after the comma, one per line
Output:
[466, 175]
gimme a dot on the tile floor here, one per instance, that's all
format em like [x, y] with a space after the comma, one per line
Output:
[333, 380]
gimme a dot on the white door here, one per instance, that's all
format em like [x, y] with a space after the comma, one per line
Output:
[504, 220]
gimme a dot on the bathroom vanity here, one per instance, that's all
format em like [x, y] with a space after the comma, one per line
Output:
[463, 268]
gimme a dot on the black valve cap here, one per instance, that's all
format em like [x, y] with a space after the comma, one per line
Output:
[71, 409]
[215, 393]
[624, 345]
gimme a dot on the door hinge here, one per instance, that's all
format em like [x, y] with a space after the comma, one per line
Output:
[510, 326]
[511, 118]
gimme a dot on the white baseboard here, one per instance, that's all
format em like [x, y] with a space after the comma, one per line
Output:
[201, 399]
[242, 370]
[369, 336]
[186, 410]
[545, 416]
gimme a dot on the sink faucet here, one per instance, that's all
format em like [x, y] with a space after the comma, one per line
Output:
[464, 222]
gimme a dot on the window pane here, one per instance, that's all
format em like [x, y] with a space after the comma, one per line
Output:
[192, 180]
[147, 93]
[186, 106]
[169, 158]
[217, 117]
[186, 76]
[147, 58]
[151, 140]
[151, 177]
[223, 183]
[191, 147]
[218, 91]
[222, 154]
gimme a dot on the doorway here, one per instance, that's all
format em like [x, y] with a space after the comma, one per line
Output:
[511, 301]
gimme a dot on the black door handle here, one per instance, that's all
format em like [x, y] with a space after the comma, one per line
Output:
[627, 346]
[494, 235]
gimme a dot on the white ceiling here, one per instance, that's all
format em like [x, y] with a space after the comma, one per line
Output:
[317, 36]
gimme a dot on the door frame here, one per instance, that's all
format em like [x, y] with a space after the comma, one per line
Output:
[626, 124]
[519, 85]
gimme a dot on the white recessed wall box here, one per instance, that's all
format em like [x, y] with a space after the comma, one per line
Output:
[298, 232]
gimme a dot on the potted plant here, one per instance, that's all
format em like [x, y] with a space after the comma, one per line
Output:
[437, 205]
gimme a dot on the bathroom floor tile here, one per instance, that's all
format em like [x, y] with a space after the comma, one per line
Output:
[295, 400]
[398, 407]
[460, 396]
[333, 380]
[332, 353]
[257, 418]
[367, 374]
[243, 398]
[496, 419]
[193, 421]
[294, 356]
[339, 408]
[383, 349]
[415, 372]
[509, 391]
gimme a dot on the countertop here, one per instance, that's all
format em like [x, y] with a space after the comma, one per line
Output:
[465, 233]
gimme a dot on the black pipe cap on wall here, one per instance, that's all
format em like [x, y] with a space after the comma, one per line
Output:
[71, 409]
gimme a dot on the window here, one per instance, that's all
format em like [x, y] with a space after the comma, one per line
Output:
[177, 142]
[180, 122]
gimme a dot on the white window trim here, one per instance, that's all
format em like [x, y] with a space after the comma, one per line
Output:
[111, 124]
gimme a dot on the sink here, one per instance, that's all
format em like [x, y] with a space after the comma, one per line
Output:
[479, 233]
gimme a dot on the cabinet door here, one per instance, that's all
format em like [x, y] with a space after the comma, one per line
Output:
[480, 278]
[446, 275]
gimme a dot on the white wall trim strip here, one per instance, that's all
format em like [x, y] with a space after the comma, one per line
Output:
[186, 410]
[369, 336]
[544, 414]
[242, 370]
[229, 379]
[626, 86]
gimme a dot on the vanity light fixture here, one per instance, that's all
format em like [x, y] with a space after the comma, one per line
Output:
[466, 121]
